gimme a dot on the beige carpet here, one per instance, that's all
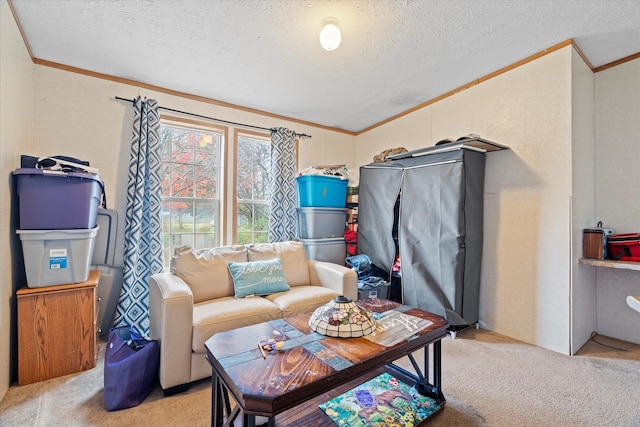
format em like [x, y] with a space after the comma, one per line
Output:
[488, 380]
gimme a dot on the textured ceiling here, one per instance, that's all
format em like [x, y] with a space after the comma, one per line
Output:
[265, 55]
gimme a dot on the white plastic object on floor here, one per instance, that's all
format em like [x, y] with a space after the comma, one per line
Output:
[634, 302]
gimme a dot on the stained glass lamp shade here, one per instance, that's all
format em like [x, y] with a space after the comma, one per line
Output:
[343, 318]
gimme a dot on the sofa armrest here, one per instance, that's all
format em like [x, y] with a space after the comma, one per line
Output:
[171, 323]
[334, 276]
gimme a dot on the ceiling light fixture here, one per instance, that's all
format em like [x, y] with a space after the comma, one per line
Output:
[330, 36]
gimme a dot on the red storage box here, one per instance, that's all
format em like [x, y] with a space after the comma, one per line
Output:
[624, 247]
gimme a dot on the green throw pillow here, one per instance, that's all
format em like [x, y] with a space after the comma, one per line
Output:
[257, 277]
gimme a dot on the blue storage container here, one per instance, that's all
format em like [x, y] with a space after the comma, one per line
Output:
[322, 191]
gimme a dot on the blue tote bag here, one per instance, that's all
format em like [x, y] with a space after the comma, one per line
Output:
[130, 368]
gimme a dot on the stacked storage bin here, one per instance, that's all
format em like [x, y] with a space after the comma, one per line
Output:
[111, 274]
[322, 217]
[58, 212]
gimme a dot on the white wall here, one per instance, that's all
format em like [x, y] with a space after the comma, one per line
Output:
[16, 116]
[618, 190]
[583, 200]
[526, 255]
[77, 115]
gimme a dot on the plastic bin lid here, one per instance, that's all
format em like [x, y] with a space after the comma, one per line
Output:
[324, 241]
[322, 176]
[80, 233]
[310, 209]
[43, 172]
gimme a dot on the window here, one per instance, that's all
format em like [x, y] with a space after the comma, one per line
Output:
[191, 174]
[253, 157]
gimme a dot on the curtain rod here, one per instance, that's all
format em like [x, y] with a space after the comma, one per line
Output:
[300, 135]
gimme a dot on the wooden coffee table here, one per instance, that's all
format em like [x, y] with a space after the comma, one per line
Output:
[286, 385]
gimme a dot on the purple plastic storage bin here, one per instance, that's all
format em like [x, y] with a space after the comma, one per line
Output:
[53, 200]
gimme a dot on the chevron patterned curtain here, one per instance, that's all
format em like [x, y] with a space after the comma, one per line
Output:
[283, 224]
[143, 228]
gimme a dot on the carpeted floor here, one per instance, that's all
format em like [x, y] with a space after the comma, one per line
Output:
[488, 380]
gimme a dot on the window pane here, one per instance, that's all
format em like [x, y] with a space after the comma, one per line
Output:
[244, 212]
[167, 250]
[182, 217]
[244, 238]
[166, 137]
[205, 217]
[182, 180]
[183, 146]
[206, 147]
[165, 176]
[179, 240]
[262, 165]
[260, 237]
[166, 217]
[205, 240]
[261, 218]
[206, 185]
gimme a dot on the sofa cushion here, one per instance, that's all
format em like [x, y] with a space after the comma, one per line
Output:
[302, 299]
[257, 277]
[292, 256]
[205, 270]
[223, 314]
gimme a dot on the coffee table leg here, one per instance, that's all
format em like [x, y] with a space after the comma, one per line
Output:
[437, 367]
[424, 387]
[249, 421]
[216, 400]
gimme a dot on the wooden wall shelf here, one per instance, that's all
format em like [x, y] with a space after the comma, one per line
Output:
[625, 265]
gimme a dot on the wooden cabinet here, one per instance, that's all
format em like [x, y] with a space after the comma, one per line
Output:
[57, 332]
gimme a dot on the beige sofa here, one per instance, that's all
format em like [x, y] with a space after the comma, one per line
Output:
[197, 299]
